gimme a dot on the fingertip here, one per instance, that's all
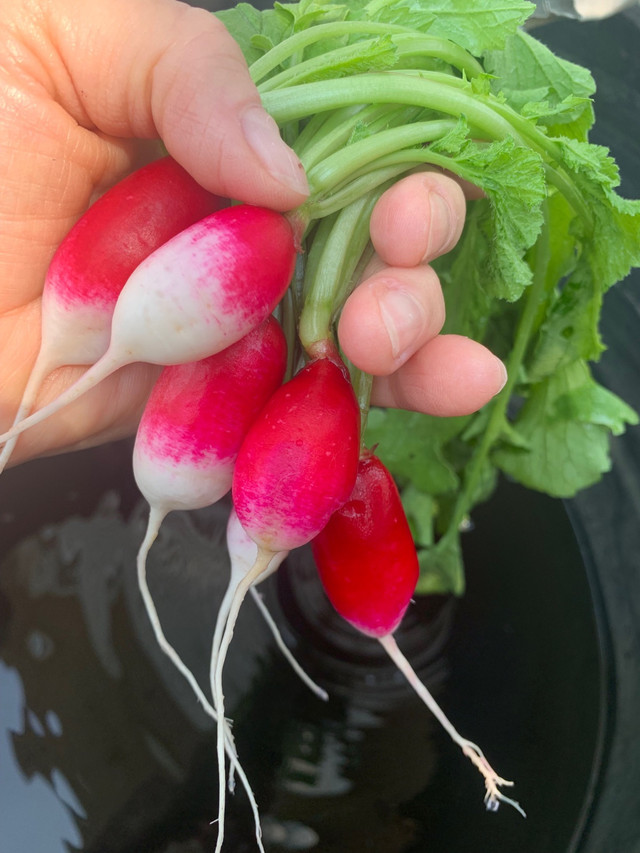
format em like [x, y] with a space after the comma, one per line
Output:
[390, 316]
[418, 219]
[450, 376]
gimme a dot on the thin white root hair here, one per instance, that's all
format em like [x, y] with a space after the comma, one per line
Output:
[493, 796]
[297, 668]
[39, 372]
[217, 665]
[156, 518]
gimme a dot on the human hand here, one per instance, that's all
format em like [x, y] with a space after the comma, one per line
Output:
[87, 90]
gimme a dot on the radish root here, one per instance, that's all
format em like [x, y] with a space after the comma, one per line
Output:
[39, 372]
[299, 671]
[493, 796]
[218, 656]
[156, 517]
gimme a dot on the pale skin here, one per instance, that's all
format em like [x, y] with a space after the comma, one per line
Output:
[86, 91]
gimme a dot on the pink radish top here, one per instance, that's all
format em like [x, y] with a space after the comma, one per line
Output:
[366, 556]
[298, 462]
[123, 227]
[203, 409]
[205, 288]
[198, 414]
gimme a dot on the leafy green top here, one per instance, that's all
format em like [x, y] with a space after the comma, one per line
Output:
[368, 90]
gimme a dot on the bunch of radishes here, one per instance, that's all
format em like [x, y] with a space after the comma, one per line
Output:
[193, 287]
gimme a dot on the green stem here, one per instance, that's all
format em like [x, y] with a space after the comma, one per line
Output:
[299, 41]
[411, 158]
[325, 125]
[362, 383]
[425, 90]
[537, 291]
[339, 130]
[329, 277]
[350, 192]
[393, 50]
[338, 167]
[430, 90]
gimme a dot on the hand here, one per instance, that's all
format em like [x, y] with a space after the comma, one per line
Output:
[390, 325]
[87, 90]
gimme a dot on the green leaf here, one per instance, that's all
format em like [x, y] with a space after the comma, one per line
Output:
[570, 330]
[534, 81]
[255, 31]
[611, 246]
[479, 26]
[420, 509]
[513, 179]
[441, 568]
[593, 404]
[567, 422]
[411, 445]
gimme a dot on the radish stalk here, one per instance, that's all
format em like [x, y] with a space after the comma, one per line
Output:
[95, 259]
[197, 294]
[368, 566]
[330, 273]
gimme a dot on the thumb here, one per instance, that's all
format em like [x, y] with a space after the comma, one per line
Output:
[160, 68]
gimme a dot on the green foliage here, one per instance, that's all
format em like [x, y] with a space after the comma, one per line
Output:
[538, 253]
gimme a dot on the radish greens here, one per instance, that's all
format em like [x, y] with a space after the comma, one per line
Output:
[368, 91]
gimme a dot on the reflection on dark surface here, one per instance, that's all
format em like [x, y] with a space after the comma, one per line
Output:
[107, 750]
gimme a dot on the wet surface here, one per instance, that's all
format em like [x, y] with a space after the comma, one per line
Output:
[104, 748]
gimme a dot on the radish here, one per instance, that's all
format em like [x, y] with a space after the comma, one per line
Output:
[186, 445]
[296, 466]
[198, 293]
[368, 566]
[92, 264]
[191, 430]
[299, 461]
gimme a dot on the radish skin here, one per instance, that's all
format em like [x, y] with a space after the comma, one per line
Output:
[197, 294]
[368, 566]
[299, 461]
[93, 262]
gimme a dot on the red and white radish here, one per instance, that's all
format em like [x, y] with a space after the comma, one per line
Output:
[368, 566]
[296, 466]
[299, 461]
[186, 444]
[93, 262]
[197, 294]
[191, 430]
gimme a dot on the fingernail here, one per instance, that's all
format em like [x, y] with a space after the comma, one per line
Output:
[442, 226]
[263, 136]
[503, 374]
[403, 318]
